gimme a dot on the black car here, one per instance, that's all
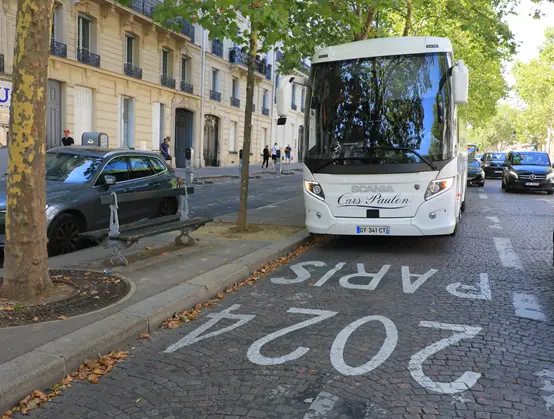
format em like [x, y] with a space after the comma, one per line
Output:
[75, 182]
[492, 164]
[528, 170]
[475, 173]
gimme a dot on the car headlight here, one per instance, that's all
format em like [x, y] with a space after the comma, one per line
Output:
[513, 173]
[314, 189]
[550, 176]
[437, 187]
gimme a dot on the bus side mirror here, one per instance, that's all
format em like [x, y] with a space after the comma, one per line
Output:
[460, 83]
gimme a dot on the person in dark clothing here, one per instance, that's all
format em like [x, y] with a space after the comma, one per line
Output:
[67, 140]
[164, 148]
[266, 157]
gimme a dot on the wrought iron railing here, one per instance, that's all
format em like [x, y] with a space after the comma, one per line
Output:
[235, 101]
[210, 159]
[145, 7]
[187, 87]
[217, 48]
[58, 49]
[167, 81]
[86, 57]
[188, 29]
[215, 95]
[293, 106]
[265, 111]
[2, 63]
[132, 71]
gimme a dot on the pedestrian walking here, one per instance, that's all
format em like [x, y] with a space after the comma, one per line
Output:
[164, 148]
[288, 150]
[66, 139]
[274, 150]
[266, 157]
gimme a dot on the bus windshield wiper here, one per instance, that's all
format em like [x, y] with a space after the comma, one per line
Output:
[423, 159]
[330, 162]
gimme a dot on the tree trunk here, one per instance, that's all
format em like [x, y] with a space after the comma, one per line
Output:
[366, 27]
[408, 22]
[26, 259]
[245, 173]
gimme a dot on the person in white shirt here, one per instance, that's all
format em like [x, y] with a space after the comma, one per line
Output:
[274, 155]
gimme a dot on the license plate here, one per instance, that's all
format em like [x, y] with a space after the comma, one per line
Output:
[498, 171]
[375, 231]
[531, 184]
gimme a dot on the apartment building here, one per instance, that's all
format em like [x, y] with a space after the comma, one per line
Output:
[113, 70]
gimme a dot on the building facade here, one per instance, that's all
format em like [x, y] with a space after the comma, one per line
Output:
[113, 70]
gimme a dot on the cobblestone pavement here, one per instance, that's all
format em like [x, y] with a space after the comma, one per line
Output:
[364, 328]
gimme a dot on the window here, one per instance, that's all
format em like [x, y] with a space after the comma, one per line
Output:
[84, 33]
[139, 167]
[117, 168]
[264, 99]
[185, 69]
[302, 98]
[215, 80]
[130, 49]
[165, 62]
[127, 121]
[57, 23]
[156, 164]
[233, 136]
[293, 94]
[236, 88]
[71, 168]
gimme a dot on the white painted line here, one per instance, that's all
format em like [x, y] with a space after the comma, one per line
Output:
[483, 196]
[480, 190]
[508, 257]
[321, 406]
[548, 381]
[528, 307]
[494, 219]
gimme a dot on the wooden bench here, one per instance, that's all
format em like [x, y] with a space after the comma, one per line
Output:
[119, 238]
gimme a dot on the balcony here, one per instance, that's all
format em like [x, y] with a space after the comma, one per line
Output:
[235, 101]
[293, 106]
[217, 48]
[215, 95]
[187, 87]
[265, 111]
[132, 71]
[86, 57]
[167, 81]
[2, 63]
[58, 49]
[240, 56]
[188, 29]
[145, 7]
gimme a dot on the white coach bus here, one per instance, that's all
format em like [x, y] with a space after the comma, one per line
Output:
[383, 153]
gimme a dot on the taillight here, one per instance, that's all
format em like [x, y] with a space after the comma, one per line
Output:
[179, 182]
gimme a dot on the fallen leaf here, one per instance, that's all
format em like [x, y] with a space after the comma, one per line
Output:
[93, 379]
[67, 380]
[35, 319]
[144, 336]
[62, 317]
[148, 248]
[164, 254]
[9, 308]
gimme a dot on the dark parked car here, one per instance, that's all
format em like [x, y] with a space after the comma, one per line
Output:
[528, 170]
[75, 181]
[492, 164]
[475, 173]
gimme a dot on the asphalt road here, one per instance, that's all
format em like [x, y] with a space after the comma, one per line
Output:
[443, 327]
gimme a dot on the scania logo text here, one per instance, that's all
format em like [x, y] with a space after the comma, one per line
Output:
[371, 188]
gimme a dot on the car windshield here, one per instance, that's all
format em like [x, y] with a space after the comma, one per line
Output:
[494, 156]
[474, 163]
[71, 168]
[530, 159]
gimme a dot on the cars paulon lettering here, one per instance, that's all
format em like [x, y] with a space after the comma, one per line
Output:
[371, 188]
[374, 201]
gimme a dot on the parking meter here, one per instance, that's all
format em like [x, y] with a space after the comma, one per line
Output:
[189, 156]
[99, 139]
[278, 163]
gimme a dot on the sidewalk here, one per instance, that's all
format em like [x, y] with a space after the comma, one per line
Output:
[234, 171]
[171, 280]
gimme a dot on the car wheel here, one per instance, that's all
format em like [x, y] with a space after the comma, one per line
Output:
[482, 184]
[503, 184]
[64, 235]
[168, 207]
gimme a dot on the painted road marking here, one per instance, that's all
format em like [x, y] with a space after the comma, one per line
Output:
[494, 219]
[548, 381]
[411, 287]
[375, 278]
[321, 406]
[508, 257]
[528, 307]
[483, 196]
[484, 289]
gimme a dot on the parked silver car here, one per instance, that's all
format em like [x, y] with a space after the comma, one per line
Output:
[75, 182]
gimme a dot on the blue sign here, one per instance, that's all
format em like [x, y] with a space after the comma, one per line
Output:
[5, 93]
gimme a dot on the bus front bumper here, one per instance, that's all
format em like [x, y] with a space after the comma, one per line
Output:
[320, 220]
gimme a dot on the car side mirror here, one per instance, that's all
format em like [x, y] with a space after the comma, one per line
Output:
[109, 181]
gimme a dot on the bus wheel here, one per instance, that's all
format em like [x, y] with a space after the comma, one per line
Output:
[463, 207]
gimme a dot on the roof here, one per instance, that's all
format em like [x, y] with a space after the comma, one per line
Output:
[381, 47]
[98, 151]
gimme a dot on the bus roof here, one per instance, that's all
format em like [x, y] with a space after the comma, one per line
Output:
[380, 47]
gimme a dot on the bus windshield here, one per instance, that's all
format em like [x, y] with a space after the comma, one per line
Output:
[367, 114]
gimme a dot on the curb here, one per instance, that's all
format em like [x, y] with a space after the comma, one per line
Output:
[48, 364]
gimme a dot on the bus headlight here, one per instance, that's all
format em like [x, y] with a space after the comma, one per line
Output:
[437, 187]
[314, 189]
